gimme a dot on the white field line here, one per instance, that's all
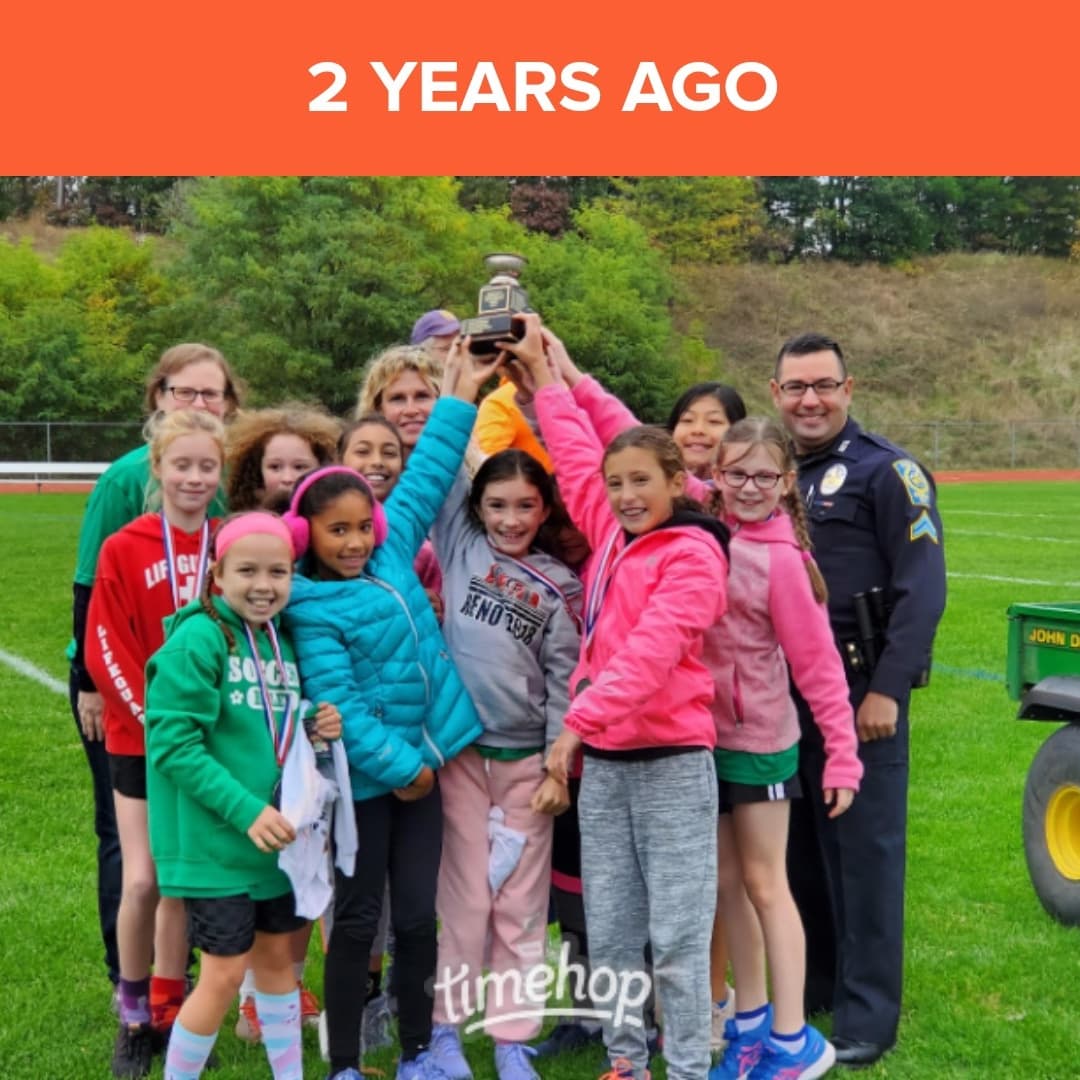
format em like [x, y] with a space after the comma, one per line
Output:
[1013, 536]
[1007, 514]
[1013, 580]
[32, 671]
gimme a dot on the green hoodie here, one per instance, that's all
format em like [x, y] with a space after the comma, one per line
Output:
[210, 761]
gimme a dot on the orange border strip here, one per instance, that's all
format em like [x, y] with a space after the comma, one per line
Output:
[208, 87]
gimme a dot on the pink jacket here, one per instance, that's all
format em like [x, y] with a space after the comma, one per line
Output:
[640, 681]
[772, 616]
[774, 621]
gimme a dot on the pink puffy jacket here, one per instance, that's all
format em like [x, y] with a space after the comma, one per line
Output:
[640, 681]
[773, 621]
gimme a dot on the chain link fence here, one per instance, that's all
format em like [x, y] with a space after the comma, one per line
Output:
[939, 444]
[997, 444]
[67, 441]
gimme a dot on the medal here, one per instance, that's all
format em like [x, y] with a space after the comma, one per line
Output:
[281, 736]
[172, 571]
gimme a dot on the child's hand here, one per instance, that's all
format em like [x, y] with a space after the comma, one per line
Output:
[421, 785]
[839, 799]
[530, 350]
[327, 721]
[436, 603]
[561, 754]
[564, 369]
[464, 373]
[271, 830]
[550, 797]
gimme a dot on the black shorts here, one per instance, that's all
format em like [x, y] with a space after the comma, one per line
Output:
[733, 794]
[226, 925]
[128, 775]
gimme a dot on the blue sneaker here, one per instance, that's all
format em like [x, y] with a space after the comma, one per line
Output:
[815, 1059]
[345, 1074]
[512, 1062]
[565, 1037]
[422, 1067]
[743, 1051]
[445, 1050]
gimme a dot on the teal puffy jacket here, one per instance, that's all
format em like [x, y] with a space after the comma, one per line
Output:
[372, 646]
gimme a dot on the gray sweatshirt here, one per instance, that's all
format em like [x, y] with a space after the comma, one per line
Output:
[511, 626]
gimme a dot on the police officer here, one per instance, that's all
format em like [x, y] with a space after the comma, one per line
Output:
[878, 540]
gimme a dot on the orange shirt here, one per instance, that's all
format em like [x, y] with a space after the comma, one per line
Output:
[501, 425]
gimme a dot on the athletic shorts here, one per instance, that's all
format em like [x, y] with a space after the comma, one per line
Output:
[226, 925]
[733, 794]
[128, 775]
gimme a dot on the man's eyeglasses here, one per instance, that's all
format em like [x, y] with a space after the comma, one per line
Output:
[822, 387]
[186, 395]
[763, 481]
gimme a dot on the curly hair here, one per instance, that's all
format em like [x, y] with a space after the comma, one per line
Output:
[383, 369]
[250, 432]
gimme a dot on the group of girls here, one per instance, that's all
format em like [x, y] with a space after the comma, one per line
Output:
[661, 684]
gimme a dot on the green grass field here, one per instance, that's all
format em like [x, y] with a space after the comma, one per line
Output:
[992, 982]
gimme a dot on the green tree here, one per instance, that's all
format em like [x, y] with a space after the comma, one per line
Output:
[711, 219]
[301, 280]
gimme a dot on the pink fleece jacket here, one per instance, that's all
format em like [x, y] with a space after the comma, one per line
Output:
[773, 621]
[640, 681]
[772, 615]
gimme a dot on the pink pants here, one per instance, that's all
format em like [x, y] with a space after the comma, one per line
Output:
[507, 930]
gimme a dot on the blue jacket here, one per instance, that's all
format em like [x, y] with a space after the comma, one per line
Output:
[371, 645]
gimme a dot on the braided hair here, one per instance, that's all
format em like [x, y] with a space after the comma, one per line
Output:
[207, 603]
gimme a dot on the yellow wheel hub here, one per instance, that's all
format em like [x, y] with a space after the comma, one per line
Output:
[1063, 830]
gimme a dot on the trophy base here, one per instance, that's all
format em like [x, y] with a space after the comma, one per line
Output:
[486, 330]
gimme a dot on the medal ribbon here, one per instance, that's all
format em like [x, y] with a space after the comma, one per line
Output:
[601, 581]
[280, 737]
[541, 578]
[171, 570]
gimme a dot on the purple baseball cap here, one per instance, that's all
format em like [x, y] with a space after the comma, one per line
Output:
[434, 324]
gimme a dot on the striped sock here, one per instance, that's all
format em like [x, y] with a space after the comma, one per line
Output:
[748, 1021]
[790, 1044]
[187, 1053]
[279, 1015]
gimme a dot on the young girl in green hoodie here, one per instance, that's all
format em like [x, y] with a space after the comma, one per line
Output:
[223, 707]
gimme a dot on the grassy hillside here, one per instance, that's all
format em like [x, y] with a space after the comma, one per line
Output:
[965, 337]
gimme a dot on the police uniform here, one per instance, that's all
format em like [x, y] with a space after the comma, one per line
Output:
[874, 523]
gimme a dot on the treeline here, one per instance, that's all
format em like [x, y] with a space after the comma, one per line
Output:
[301, 280]
[713, 220]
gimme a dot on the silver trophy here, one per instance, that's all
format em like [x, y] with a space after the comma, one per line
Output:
[502, 302]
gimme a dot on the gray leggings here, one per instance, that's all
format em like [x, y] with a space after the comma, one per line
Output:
[648, 855]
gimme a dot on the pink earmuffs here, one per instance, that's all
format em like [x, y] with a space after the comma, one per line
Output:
[298, 526]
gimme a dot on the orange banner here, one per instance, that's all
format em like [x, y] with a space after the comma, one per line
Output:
[557, 87]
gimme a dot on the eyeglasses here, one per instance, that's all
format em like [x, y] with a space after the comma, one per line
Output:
[187, 394]
[822, 387]
[763, 481]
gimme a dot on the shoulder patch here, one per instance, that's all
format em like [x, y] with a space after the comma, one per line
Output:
[915, 484]
[922, 526]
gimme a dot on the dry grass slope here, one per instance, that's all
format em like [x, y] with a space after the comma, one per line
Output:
[969, 337]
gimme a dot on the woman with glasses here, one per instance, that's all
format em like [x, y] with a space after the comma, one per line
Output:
[189, 376]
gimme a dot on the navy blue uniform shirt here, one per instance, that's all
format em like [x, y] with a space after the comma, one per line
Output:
[874, 522]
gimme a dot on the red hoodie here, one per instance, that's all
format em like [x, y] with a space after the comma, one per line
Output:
[131, 597]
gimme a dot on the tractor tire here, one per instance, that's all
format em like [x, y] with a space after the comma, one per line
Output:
[1052, 824]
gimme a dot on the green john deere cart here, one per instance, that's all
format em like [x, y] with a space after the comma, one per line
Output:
[1043, 675]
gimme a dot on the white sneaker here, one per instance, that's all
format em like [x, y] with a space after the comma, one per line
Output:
[720, 1016]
